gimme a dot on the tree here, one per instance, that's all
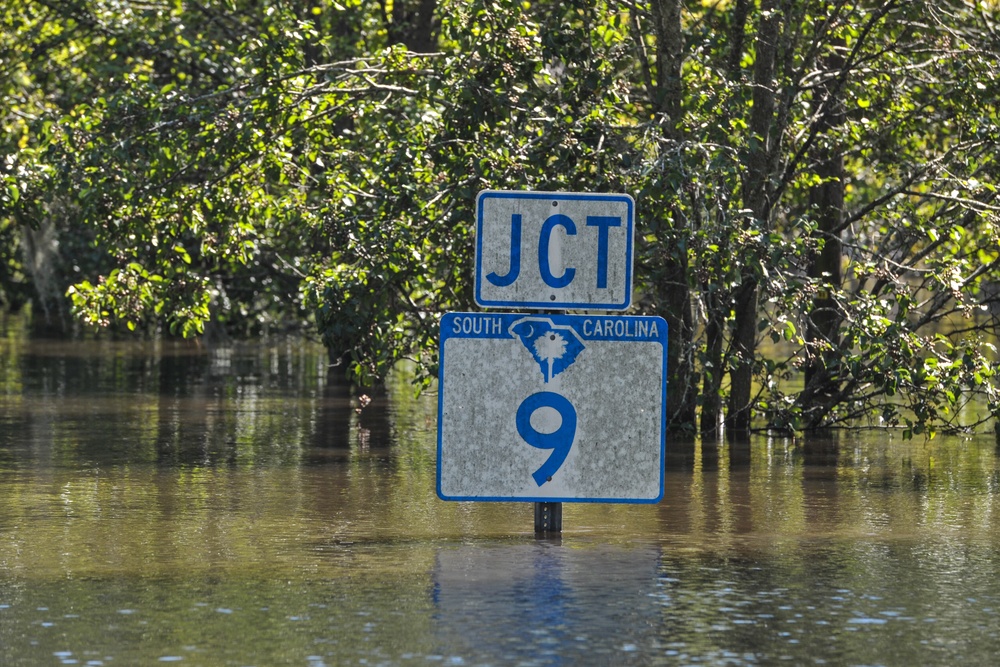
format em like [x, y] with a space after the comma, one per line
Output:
[772, 153]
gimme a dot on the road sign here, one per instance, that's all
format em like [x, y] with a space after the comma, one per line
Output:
[554, 250]
[551, 408]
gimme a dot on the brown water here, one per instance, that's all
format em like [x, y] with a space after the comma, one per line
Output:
[163, 503]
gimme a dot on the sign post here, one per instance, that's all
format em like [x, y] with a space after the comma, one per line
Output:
[549, 407]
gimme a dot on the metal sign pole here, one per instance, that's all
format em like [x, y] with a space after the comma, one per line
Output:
[548, 518]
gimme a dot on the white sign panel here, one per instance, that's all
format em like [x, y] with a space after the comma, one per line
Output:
[551, 408]
[554, 250]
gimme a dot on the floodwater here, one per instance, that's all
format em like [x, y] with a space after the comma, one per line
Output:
[162, 503]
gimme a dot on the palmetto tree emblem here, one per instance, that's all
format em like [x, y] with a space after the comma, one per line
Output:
[555, 347]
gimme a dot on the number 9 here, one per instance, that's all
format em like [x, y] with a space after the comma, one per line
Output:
[559, 441]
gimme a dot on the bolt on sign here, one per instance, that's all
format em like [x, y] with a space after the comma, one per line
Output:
[544, 250]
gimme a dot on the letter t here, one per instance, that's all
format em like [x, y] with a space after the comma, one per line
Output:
[602, 222]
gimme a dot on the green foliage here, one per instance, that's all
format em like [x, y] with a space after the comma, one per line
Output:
[251, 165]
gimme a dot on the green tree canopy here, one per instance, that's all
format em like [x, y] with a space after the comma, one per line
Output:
[815, 181]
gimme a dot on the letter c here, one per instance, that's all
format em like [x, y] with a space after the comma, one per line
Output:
[550, 224]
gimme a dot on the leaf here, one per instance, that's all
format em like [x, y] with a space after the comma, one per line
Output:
[789, 332]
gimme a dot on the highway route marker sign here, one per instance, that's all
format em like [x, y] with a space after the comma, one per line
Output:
[551, 408]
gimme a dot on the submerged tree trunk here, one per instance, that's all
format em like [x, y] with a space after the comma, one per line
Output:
[764, 142]
[711, 394]
[826, 200]
[716, 306]
[673, 288]
[682, 390]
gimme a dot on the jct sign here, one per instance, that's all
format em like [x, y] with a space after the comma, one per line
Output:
[554, 250]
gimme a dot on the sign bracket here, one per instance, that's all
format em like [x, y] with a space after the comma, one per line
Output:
[548, 518]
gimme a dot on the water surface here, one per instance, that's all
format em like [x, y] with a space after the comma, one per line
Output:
[162, 502]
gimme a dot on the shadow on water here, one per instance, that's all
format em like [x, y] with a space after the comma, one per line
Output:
[214, 400]
[180, 404]
[708, 454]
[348, 419]
[186, 407]
[820, 449]
[680, 453]
[334, 414]
[739, 452]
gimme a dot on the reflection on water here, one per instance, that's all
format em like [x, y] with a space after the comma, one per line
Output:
[547, 603]
[161, 502]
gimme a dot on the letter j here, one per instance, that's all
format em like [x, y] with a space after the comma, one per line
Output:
[515, 255]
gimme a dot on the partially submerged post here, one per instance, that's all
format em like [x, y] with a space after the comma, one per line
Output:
[548, 517]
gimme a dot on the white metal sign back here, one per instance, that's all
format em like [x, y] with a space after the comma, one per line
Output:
[551, 408]
[554, 250]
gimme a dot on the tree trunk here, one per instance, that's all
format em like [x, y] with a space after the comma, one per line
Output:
[711, 388]
[764, 140]
[741, 11]
[716, 306]
[673, 289]
[682, 389]
[738, 413]
[413, 25]
[669, 58]
[827, 202]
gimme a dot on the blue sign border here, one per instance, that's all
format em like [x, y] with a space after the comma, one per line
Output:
[564, 196]
[508, 319]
